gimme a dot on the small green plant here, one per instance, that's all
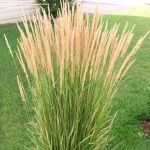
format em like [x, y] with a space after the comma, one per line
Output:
[77, 67]
[53, 5]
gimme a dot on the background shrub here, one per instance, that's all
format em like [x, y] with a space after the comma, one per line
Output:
[54, 5]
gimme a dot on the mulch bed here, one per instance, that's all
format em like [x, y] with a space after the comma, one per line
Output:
[145, 125]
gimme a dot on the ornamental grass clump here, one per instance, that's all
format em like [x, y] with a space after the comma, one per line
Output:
[76, 66]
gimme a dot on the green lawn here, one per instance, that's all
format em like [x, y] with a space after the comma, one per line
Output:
[132, 100]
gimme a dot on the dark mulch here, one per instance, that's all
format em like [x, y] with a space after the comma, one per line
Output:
[145, 125]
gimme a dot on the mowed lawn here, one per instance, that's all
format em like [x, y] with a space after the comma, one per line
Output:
[132, 101]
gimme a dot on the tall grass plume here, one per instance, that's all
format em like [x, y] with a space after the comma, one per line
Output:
[77, 66]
